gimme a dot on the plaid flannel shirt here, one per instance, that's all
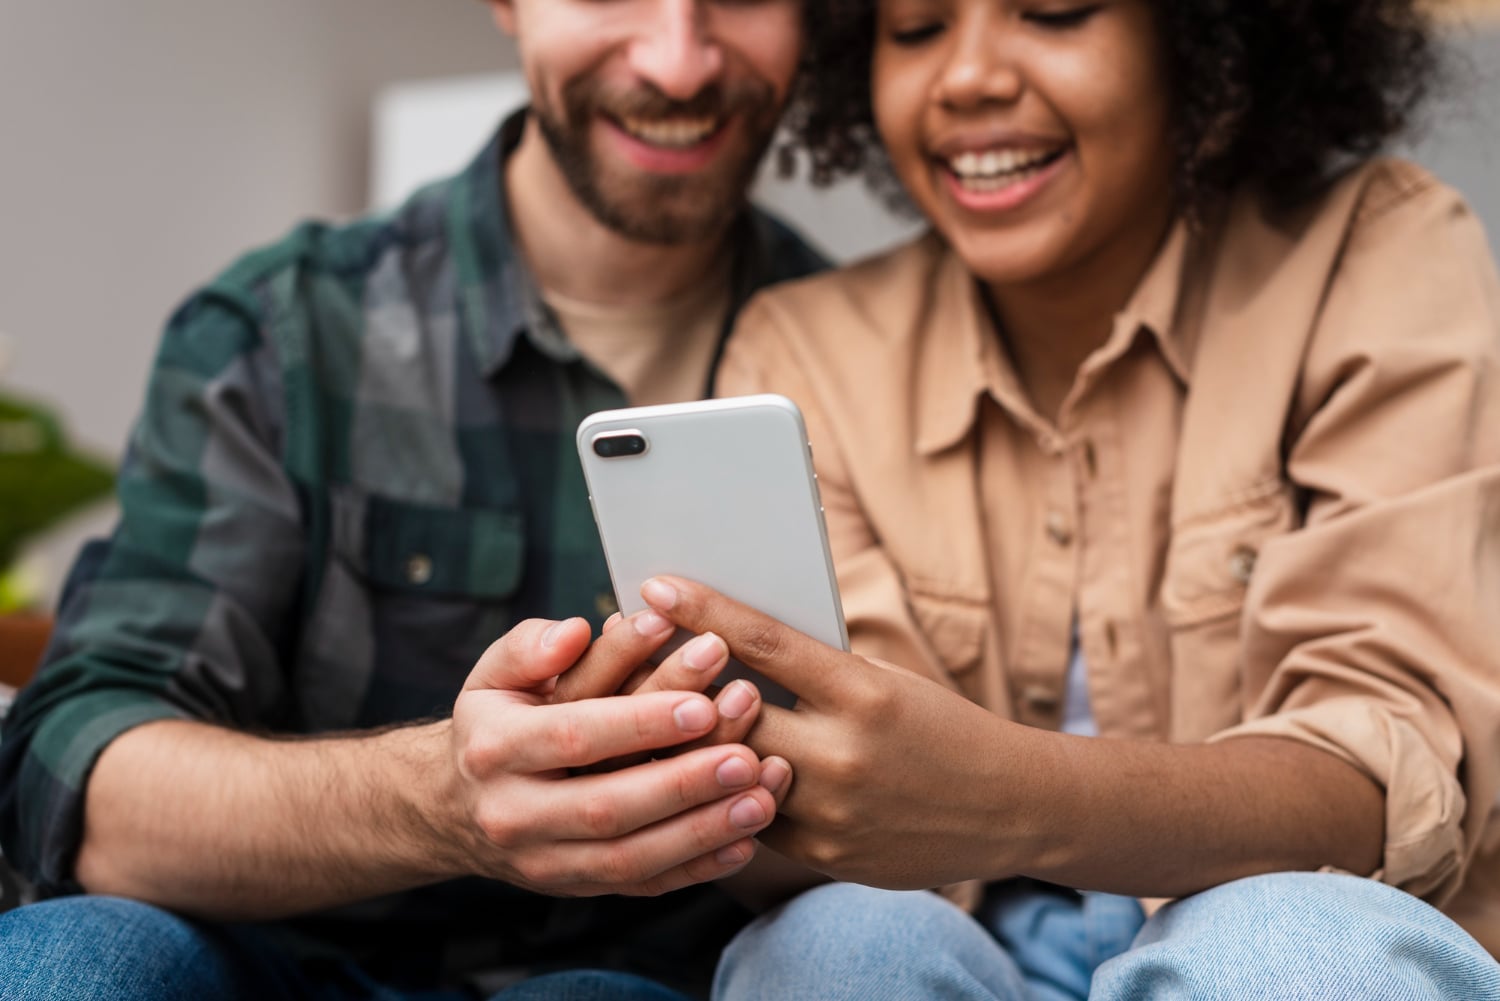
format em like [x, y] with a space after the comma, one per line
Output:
[355, 469]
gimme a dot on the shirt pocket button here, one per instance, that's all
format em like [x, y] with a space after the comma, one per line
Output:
[1242, 564]
[419, 568]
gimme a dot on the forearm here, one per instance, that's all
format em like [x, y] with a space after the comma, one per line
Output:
[1159, 820]
[228, 826]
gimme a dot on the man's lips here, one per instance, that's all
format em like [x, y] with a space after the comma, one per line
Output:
[671, 145]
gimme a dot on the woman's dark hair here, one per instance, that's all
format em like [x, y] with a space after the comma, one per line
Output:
[1279, 92]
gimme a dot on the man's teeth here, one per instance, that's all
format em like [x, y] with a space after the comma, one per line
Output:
[672, 132]
[995, 168]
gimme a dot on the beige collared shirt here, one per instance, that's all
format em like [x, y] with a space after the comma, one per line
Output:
[1271, 501]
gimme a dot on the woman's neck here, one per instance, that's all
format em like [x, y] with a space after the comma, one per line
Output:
[1050, 326]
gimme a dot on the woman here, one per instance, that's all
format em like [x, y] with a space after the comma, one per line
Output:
[1181, 427]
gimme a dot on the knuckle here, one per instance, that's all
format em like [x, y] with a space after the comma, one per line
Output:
[681, 785]
[571, 746]
[869, 698]
[824, 854]
[600, 816]
[761, 640]
[618, 866]
[481, 754]
[833, 816]
[497, 826]
[538, 870]
[843, 765]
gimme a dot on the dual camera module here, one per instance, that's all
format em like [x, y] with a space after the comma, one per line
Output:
[619, 444]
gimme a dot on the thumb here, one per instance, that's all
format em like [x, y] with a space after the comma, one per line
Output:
[531, 654]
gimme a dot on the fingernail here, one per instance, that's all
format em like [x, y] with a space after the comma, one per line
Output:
[703, 652]
[773, 775]
[736, 700]
[659, 594]
[730, 855]
[693, 715]
[735, 773]
[652, 625]
[747, 813]
[553, 633]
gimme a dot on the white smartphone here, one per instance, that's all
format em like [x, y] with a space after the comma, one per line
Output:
[722, 492]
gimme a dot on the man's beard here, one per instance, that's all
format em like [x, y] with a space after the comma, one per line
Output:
[660, 208]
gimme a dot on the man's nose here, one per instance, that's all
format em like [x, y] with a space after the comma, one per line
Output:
[675, 51]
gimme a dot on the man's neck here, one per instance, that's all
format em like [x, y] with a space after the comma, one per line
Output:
[572, 253]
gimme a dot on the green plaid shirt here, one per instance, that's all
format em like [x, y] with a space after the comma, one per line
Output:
[355, 469]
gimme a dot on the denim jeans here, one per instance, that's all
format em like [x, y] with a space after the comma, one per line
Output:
[1287, 935]
[85, 948]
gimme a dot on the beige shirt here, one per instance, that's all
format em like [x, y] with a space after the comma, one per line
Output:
[656, 353]
[1271, 499]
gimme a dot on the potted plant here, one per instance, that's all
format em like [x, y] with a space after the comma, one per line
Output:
[42, 481]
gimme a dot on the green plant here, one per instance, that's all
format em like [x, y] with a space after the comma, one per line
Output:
[42, 481]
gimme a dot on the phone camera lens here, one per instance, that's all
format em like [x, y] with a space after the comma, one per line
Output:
[617, 446]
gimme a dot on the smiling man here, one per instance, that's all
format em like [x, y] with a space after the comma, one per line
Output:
[353, 472]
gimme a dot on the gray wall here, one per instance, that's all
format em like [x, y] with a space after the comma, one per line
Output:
[1460, 140]
[144, 144]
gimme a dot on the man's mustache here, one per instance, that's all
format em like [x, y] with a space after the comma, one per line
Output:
[646, 101]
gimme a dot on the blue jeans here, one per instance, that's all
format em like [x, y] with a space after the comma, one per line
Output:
[1288, 935]
[84, 948]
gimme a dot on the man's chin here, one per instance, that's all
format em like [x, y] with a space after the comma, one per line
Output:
[668, 211]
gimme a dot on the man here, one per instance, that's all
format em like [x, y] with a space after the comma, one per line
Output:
[354, 470]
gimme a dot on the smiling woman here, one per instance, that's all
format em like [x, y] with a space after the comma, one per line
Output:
[1328, 82]
[1177, 432]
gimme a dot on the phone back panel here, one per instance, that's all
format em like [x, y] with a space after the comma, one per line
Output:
[724, 494]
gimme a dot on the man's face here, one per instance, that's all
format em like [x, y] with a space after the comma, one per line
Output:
[657, 112]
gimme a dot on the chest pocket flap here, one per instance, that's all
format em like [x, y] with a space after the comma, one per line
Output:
[1211, 558]
[450, 552]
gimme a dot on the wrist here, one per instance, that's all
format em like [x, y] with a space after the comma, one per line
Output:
[427, 789]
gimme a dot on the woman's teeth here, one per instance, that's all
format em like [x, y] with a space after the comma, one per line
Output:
[672, 133]
[995, 169]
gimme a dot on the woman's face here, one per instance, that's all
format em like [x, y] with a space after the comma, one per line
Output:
[1034, 134]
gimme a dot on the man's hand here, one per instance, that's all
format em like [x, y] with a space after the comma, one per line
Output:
[643, 829]
[617, 663]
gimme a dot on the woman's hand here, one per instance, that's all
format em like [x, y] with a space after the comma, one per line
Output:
[900, 782]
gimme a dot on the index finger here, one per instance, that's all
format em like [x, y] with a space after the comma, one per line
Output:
[790, 658]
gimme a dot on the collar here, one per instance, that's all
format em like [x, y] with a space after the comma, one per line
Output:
[498, 299]
[961, 361]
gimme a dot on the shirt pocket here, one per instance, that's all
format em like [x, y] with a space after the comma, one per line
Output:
[1211, 558]
[475, 554]
[953, 626]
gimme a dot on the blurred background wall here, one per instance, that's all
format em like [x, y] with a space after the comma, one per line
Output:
[143, 145]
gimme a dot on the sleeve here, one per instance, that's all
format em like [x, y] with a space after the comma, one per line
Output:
[181, 612]
[762, 357]
[1373, 632]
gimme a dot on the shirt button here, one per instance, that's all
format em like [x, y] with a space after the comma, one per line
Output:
[1058, 530]
[1040, 698]
[1242, 564]
[419, 568]
[605, 604]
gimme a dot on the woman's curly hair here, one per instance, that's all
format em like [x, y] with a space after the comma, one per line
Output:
[1279, 92]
